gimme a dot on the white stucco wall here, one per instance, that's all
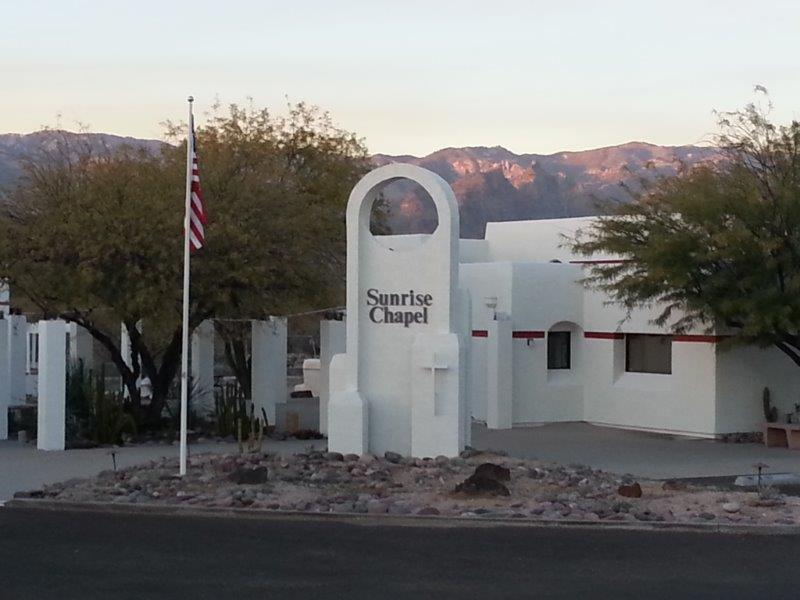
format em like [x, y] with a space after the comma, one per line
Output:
[708, 392]
[483, 281]
[683, 402]
[742, 373]
[539, 241]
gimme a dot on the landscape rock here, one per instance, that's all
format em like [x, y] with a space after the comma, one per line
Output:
[469, 453]
[428, 510]
[393, 457]
[633, 490]
[246, 476]
[731, 507]
[486, 479]
[324, 482]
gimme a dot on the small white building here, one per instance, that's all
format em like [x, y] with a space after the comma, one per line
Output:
[572, 356]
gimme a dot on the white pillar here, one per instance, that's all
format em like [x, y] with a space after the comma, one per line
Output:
[463, 306]
[17, 357]
[348, 414]
[202, 392]
[5, 392]
[81, 346]
[499, 382]
[331, 342]
[52, 385]
[268, 365]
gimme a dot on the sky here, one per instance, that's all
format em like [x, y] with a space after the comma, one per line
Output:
[408, 76]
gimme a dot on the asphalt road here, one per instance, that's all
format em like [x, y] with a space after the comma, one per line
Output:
[64, 555]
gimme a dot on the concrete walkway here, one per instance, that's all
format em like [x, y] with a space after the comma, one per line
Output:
[639, 453]
[23, 467]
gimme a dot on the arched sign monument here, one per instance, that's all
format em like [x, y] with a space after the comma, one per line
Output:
[400, 385]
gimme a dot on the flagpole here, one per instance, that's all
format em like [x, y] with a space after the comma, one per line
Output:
[186, 265]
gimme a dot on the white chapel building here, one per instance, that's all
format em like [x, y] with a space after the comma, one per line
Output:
[544, 348]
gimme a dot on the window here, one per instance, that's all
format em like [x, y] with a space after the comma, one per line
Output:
[33, 352]
[558, 350]
[648, 353]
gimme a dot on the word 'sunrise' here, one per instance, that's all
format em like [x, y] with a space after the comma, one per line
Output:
[386, 308]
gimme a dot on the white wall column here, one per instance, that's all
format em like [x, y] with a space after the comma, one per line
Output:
[203, 368]
[17, 357]
[5, 391]
[331, 343]
[499, 373]
[81, 346]
[52, 385]
[268, 365]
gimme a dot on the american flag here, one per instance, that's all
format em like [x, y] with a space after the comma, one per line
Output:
[197, 212]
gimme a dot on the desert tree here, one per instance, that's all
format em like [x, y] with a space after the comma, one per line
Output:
[717, 246]
[95, 237]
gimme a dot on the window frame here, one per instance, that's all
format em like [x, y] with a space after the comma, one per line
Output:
[630, 337]
[560, 333]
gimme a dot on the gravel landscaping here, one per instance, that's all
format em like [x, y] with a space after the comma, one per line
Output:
[327, 482]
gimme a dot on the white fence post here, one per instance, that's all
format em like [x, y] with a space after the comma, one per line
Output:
[52, 385]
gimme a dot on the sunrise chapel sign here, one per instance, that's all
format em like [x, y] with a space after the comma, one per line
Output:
[404, 309]
[400, 386]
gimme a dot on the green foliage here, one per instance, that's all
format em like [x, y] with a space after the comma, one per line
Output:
[235, 415]
[717, 247]
[96, 237]
[94, 413]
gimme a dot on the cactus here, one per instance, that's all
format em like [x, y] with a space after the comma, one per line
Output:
[255, 433]
[770, 412]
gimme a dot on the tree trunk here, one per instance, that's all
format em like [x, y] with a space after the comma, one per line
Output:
[128, 375]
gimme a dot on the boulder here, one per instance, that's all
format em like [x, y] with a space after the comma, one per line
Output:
[428, 510]
[393, 457]
[731, 507]
[326, 476]
[244, 476]
[633, 490]
[493, 471]
[486, 479]
[469, 453]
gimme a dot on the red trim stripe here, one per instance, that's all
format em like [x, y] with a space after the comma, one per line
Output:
[615, 335]
[708, 339]
[607, 261]
[603, 335]
[527, 335]
[480, 333]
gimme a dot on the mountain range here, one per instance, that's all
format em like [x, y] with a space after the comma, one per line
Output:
[494, 184]
[490, 184]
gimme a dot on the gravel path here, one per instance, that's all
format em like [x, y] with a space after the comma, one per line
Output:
[321, 482]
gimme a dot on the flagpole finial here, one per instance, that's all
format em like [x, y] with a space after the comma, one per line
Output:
[191, 99]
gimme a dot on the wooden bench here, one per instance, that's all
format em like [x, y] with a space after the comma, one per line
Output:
[783, 435]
